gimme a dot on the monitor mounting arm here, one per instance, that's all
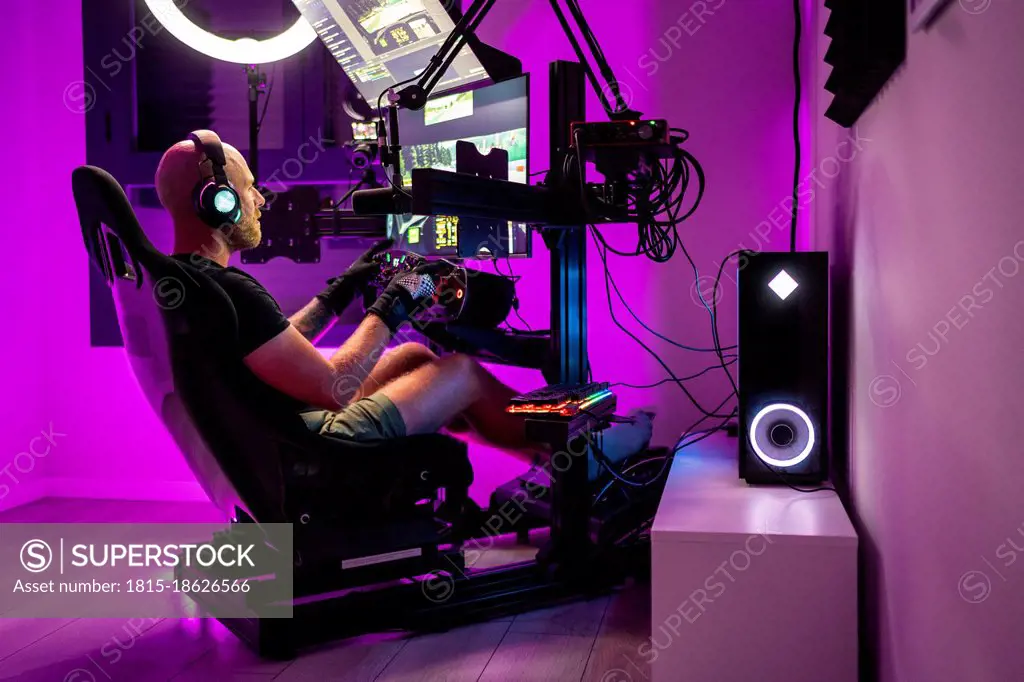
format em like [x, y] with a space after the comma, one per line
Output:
[415, 96]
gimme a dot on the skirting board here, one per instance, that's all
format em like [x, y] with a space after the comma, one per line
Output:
[90, 488]
[101, 489]
[24, 492]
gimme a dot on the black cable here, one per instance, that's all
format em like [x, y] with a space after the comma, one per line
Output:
[682, 131]
[700, 295]
[713, 312]
[609, 467]
[690, 429]
[611, 311]
[707, 433]
[678, 176]
[511, 275]
[819, 489]
[701, 182]
[658, 238]
[656, 203]
[629, 309]
[676, 448]
[789, 485]
[604, 460]
[796, 122]
[520, 318]
[515, 303]
[680, 444]
[714, 320]
[665, 381]
[632, 466]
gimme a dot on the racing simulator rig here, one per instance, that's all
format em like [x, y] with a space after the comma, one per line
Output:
[381, 539]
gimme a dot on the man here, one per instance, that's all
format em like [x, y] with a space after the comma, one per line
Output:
[361, 392]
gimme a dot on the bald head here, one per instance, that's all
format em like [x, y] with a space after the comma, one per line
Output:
[180, 169]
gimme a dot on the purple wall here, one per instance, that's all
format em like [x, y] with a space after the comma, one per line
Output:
[724, 75]
[924, 228]
[42, 140]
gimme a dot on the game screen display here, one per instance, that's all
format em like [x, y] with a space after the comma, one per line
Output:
[380, 43]
[441, 155]
[364, 132]
[496, 116]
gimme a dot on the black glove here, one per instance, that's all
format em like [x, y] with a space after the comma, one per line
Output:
[407, 294]
[342, 290]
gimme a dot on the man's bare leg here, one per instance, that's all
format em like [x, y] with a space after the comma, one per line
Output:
[396, 362]
[431, 396]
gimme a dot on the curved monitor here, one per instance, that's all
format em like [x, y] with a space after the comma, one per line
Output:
[380, 43]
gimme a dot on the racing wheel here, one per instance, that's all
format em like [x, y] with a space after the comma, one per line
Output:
[458, 294]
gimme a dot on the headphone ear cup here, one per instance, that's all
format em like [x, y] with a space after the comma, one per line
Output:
[216, 201]
[226, 204]
[217, 204]
[198, 192]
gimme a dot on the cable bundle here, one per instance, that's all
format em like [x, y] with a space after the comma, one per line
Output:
[656, 200]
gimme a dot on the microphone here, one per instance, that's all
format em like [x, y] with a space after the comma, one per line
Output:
[380, 201]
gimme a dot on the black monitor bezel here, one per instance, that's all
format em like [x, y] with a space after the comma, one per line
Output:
[529, 128]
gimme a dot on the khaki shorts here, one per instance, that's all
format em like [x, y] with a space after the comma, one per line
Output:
[367, 420]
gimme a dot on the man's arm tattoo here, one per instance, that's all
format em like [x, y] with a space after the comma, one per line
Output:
[313, 320]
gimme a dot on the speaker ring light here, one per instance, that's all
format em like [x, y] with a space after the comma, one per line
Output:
[765, 457]
[242, 51]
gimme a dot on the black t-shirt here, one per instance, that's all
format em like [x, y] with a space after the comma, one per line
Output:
[260, 318]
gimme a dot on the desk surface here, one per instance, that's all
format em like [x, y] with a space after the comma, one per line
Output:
[706, 501]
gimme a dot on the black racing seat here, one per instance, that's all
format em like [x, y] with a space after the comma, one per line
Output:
[256, 464]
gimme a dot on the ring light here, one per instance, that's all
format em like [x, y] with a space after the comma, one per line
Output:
[241, 51]
[782, 407]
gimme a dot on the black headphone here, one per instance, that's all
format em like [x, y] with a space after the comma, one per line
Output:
[215, 200]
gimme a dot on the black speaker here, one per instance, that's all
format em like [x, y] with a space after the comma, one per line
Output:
[783, 367]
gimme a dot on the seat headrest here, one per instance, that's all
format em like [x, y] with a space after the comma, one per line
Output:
[100, 199]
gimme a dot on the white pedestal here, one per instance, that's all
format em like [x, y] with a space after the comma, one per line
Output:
[749, 582]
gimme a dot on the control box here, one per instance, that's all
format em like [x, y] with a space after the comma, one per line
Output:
[620, 133]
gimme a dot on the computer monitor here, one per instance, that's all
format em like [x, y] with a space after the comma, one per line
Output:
[380, 43]
[494, 116]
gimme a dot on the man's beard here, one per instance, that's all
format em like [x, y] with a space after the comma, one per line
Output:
[244, 235]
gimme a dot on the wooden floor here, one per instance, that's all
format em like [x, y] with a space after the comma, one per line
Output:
[596, 641]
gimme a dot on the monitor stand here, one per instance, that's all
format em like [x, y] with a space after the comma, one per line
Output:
[479, 238]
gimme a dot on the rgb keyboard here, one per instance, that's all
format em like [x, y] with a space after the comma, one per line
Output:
[563, 400]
